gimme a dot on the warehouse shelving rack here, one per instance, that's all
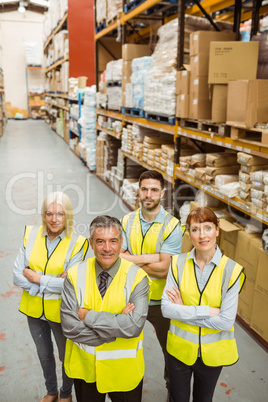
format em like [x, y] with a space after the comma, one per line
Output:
[223, 10]
[30, 95]
[206, 7]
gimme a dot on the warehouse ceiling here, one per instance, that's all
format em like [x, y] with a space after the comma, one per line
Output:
[38, 6]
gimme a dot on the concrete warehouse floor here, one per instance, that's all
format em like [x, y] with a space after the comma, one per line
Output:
[34, 160]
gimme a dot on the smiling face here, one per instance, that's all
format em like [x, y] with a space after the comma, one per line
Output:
[55, 219]
[106, 244]
[203, 235]
[150, 193]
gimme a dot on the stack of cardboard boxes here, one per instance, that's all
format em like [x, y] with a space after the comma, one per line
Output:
[200, 101]
[130, 51]
[229, 64]
[183, 92]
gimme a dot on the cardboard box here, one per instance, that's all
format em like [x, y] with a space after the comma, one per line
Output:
[259, 316]
[126, 70]
[228, 238]
[247, 103]
[182, 105]
[219, 103]
[232, 61]
[199, 108]
[131, 51]
[183, 81]
[200, 40]
[186, 244]
[199, 88]
[199, 65]
[245, 301]
[262, 273]
[247, 253]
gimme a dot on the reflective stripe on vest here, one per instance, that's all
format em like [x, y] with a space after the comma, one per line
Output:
[114, 366]
[209, 338]
[110, 354]
[217, 347]
[150, 243]
[36, 257]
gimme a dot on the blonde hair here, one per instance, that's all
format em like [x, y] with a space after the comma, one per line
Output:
[63, 200]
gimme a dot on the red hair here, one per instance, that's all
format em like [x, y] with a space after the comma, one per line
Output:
[200, 215]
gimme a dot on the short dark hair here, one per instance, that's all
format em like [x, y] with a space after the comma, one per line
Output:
[200, 215]
[104, 221]
[152, 174]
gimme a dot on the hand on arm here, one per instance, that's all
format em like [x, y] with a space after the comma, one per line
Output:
[129, 322]
[174, 295]
[72, 319]
[158, 269]
[140, 260]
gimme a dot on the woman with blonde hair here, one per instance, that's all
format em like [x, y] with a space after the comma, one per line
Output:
[200, 298]
[41, 265]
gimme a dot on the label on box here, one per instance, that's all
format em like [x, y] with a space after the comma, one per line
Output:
[195, 37]
[184, 73]
[195, 101]
[196, 81]
[182, 97]
[196, 59]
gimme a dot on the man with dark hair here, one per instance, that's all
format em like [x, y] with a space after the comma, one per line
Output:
[151, 235]
[103, 311]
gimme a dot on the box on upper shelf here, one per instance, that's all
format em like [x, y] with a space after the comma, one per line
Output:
[200, 40]
[247, 103]
[232, 61]
[131, 51]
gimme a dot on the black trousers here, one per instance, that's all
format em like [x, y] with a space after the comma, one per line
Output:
[161, 326]
[87, 392]
[205, 380]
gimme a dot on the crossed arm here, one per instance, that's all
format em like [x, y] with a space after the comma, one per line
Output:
[155, 265]
[222, 318]
[94, 328]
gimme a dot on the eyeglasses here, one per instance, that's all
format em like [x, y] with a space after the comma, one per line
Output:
[58, 214]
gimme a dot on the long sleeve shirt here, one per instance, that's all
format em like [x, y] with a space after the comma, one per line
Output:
[199, 315]
[47, 283]
[103, 327]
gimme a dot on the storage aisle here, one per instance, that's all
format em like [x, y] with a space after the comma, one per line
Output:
[34, 160]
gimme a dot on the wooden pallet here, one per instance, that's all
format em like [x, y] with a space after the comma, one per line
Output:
[127, 111]
[114, 84]
[253, 135]
[206, 126]
[114, 19]
[160, 118]
[132, 5]
[100, 26]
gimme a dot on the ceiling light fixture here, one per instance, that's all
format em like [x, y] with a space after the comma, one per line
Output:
[22, 8]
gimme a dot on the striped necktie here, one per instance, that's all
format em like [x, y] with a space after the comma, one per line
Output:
[103, 282]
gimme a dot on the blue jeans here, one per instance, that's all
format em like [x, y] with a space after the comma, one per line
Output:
[41, 334]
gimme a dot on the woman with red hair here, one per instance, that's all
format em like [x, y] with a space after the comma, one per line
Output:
[200, 298]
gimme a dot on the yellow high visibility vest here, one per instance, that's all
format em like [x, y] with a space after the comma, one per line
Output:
[150, 243]
[116, 366]
[217, 348]
[37, 256]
